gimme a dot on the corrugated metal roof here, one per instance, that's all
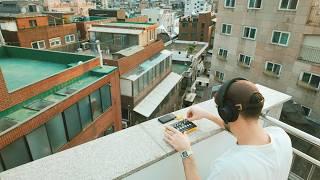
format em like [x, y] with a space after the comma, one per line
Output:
[155, 97]
[115, 30]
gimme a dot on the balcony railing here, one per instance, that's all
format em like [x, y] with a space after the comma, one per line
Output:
[297, 153]
[310, 54]
[314, 16]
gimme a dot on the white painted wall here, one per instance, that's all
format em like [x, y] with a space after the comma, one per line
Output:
[125, 87]
[196, 6]
[204, 152]
[9, 26]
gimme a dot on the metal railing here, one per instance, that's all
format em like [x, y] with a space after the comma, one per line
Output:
[310, 53]
[296, 153]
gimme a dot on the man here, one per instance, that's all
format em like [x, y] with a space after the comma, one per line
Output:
[260, 153]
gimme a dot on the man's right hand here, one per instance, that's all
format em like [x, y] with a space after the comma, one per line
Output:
[196, 113]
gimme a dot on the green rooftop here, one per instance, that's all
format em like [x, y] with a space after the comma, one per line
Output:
[24, 111]
[21, 66]
[179, 68]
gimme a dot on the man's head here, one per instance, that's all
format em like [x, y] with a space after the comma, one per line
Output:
[239, 98]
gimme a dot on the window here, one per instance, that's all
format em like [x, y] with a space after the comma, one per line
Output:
[185, 24]
[33, 23]
[85, 112]
[135, 88]
[95, 101]
[288, 4]
[254, 4]
[312, 80]
[194, 25]
[15, 154]
[39, 143]
[106, 97]
[223, 53]
[38, 44]
[55, 42]
[219, 76]
[249, 32]
[56, 132]
[69, 38]
[280, 38]
[72, 120]
[273, 68]
[32, 8]
[140, 80]
[145, 80]
[226, 29]
[161, 67]
[150, 19]
[203, 25]
[229, 3]
[245, 60]
[306, 110]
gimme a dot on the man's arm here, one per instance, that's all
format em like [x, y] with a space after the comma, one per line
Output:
[190, 169]
[180, 142]
[196, 113]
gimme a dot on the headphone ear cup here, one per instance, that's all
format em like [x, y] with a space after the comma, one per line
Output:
[228, 113]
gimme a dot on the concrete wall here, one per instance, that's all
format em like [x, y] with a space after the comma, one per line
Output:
[266, 20]
[23, 23]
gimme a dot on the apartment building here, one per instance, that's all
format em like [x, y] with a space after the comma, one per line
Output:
[193, 7]
[52, 101]
[32, 30]
[116, 36]
[21, 6]
[275, 43]
[79, 7]
[196, 27]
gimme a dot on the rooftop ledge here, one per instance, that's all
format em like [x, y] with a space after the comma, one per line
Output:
[139, 152]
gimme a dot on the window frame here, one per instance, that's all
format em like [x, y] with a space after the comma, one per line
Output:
[272, 71]
[310, 110]
[33, 24]
[289, 35]
[69, 35]
[282, 9]
[44, 44]
[311, 74]
[219, 77]
[243, 63]
[55, 40]
[255, 3]
[229, 7]
[221, 56]
[249, 38]
[226, 24]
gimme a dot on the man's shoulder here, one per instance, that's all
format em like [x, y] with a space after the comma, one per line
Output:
[277, 133]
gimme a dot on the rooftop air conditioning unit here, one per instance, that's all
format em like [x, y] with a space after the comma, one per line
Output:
[85, 46]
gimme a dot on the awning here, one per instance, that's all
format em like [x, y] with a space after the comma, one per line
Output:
[156, 96]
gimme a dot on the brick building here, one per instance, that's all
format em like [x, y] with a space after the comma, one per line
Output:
[32, 30]
[275, 43]
[55, 102]
[196, 27]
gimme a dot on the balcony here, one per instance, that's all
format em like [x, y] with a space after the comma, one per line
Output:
[139, 152]
[310, 54]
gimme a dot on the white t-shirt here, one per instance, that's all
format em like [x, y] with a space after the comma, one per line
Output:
[251, 162]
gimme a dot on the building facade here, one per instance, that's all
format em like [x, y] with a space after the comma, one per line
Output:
[194, 7]
[21, 6]
[55, 102]
[196, 27]
[275, 43]
[79, 7]
[33, 31]
[117, 36]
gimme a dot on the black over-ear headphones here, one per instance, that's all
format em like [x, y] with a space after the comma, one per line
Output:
[227, 110]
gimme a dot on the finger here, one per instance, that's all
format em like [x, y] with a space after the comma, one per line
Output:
[169, 132]
[168, 140]
[173, 129]
[168, 136]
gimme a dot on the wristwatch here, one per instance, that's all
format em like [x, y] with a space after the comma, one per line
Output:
[186, 153]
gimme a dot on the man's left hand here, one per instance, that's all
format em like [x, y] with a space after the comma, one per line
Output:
[179, 141]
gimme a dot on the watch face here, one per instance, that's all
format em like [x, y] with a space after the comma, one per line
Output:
[184, 154]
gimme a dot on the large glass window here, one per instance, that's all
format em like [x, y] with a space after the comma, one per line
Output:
[106, 97]
[161, 67]
[72, 119]
[154, 73]
[38, 44]
[254, 4]
[150, 74]
[95, 104]
[39, 143]
[273, 68]
[140, 83]
[56, 132]
[15, 154]
[226, 29]
[135, 88]
[145, 80]
[85, 111]
[280, 38]
[311, 79]
[229, 3]
[288, 4]
[157, 70]
[249, 33]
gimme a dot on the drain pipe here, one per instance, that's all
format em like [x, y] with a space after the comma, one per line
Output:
[100, 53]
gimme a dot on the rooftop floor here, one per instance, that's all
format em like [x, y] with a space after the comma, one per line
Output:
[179, 68]
[20, 72]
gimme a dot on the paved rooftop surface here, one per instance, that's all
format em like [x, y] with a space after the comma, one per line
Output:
[21, 72]
[179, 68]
